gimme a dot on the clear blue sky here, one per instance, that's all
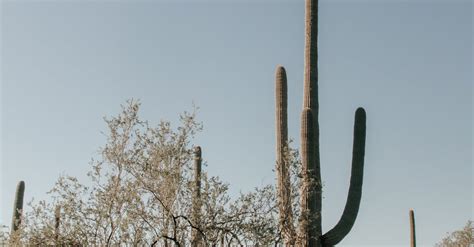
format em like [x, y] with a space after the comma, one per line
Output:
[65, 65]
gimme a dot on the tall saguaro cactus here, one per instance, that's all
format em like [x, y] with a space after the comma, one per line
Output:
[310, 232]
[412, 229]
[196, 209]
[18, 206]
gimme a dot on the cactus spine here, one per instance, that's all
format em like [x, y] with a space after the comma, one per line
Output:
[310, 232]
[412, 229]
[18, 206]
[196, 213]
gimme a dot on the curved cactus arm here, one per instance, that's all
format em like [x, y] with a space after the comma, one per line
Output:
[18, 206]
[351, 209]
[412, 229]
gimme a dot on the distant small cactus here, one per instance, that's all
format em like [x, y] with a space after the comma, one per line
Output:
[57, 222]
[196, 208]
[18, 206]
[412, 229]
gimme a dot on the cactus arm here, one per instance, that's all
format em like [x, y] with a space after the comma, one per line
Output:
[351, 209]
[412, 229]
[283, 184]
[18, 206]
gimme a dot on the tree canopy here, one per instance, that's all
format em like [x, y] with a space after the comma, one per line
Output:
[459, 238]
[141, 193]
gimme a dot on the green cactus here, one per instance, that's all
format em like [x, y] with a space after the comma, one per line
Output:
[343, 227]
[196, 208]
[310, 232]
[18, 206]
[412, 229]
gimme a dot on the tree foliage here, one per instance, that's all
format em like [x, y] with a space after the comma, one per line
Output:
[140, 193]
[460, 238]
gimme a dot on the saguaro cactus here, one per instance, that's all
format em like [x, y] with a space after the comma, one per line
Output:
[18, 206]
[310, 232]
[196, 214]
[412, 229]
[57, 222]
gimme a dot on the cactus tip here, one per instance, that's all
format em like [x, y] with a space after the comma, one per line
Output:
[360, 115]
[280, 69]
[21, 185]
[360, 111]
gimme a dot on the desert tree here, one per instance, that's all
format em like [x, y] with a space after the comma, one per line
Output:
[140, 192]
[460, 238]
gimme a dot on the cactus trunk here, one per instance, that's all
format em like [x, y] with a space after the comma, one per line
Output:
[196, 214]
[311, 211]
[412, 229]
[18, 206]
[310, 93]
[310, 222]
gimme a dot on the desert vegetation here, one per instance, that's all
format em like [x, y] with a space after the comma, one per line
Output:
[149, 187]
[146, 191]
[462, 237]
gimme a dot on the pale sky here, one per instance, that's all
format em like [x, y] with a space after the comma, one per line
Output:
[67, 64]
